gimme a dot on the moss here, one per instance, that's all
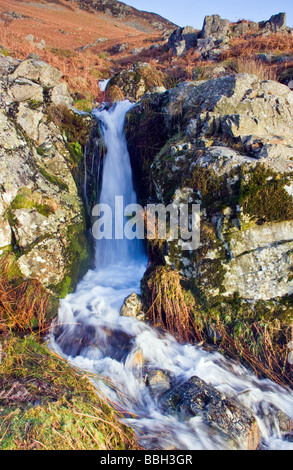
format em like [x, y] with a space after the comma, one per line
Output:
[53, 179]
[83, 105]
[56, 407]
[77, 256]
[34, 104]
[26, 199]
[263, 196]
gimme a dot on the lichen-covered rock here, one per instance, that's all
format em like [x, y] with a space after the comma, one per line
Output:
[42, 216]
[227, 143]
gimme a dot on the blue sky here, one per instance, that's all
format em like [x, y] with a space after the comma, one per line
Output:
[192, 12]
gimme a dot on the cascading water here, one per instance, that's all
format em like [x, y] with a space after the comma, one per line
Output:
[94, 336]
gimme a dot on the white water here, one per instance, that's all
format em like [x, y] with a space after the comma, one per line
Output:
[96, 338]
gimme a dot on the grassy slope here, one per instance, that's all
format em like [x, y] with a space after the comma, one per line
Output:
[46, 404]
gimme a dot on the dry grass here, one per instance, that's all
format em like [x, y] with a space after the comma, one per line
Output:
[255, 67]
[247, 46]
[23, 304]
[168, 304]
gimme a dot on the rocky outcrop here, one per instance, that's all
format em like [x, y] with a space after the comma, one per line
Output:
[225, 144]
[214, 26]
[42, 216]
[214, 37]
[182, 39]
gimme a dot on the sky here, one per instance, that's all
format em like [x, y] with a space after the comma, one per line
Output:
[192, 12]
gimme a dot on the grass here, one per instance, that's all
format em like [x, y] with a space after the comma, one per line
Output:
[168, 305]
[46, 404]
[24, 305]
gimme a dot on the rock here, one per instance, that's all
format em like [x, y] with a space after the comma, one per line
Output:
[41, 211]
[24, 90]
[238, 130]
[61, 96]
[182, 39]
[133, 84]
[158, 381]
[30, 38]
[132, 307]
[37, 71]
[244, 28]
[196, 398]
[275, 24]
[137, 50]
[214, 27]
[29, 120]
[275, 418]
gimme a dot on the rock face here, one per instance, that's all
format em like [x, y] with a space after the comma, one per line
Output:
[225, 144]
[182, 39]
[196, 398]
[214, 26]
[275, 24]
[42, 217]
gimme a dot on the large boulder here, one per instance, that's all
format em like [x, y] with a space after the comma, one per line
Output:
[182, 39]
[225, 144]
[275, 24]
[214, 26]
[197, 398]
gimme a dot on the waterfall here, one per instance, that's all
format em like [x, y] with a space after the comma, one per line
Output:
[96, 338]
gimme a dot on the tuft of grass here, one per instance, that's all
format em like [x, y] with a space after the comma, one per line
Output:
[168, 305]
[46, 404]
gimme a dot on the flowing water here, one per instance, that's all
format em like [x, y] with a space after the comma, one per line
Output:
[95, 338]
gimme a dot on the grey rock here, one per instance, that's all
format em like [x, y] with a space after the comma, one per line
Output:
[38, 71]
[182, 39]
[214, 26]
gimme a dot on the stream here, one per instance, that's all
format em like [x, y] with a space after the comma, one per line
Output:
[96, 338]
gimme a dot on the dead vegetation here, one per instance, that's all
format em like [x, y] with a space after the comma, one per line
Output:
[24, 304]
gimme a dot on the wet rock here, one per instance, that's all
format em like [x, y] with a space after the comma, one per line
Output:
[275, 418]
[182, 39]
[132, 307]
[158, 381]
[196, 398]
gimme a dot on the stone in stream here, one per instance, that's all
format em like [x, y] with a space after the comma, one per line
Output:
[196, 398]
[132, 307]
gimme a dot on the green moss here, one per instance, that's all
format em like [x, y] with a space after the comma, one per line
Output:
[53, 179]
[34, 104]
[26, 199]
[77, 256]
[84, 105]
[263, 196]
